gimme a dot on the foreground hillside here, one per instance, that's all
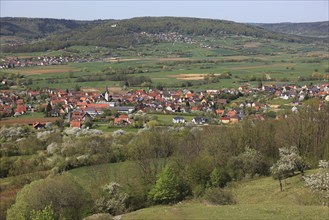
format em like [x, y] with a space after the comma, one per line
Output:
[155, 165]
[256, 199]
[195, 210]
[259, 198]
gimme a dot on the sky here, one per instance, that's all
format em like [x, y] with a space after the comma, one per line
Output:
[256, 11]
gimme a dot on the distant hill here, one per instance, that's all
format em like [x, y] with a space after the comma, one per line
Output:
[129, 32]
[60, 33]
[32, 28]
[311, 29]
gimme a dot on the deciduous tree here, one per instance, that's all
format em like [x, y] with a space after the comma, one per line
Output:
[68, 198]
[168, 188]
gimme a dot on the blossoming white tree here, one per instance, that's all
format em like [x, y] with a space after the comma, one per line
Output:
[319, 182]
[289, 162]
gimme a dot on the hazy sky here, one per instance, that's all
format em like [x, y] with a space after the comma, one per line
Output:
[264, 11]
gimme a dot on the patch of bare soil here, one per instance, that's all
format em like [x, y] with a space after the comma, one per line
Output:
[190, 76]
[12, 121]
[251, 45]
[48, 69]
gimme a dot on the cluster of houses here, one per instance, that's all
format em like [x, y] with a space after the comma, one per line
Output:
[77, 107]
[169, 37]
[15, 62]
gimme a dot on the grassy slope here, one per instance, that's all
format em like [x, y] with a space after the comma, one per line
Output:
[92, 178]
[256, 199]
[194, 210]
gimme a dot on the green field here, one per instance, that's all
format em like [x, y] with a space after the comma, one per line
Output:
[167, 119]
[246, 59]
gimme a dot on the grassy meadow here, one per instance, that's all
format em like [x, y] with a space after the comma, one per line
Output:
[196, 210]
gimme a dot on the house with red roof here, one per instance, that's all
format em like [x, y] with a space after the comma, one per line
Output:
[20, 110]
[231, 113]
[122, 119]
[38, 125]
[220, 111]
[75, 124]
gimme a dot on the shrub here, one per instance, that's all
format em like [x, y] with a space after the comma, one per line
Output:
[82, 132]
[248, 163]
[319, 182]
[218, 196]
[113, 200]
[219, 178]
[45, 214]
[67, 198]
[52, 148]
[198, 190]
[118, 133]
[12, 132]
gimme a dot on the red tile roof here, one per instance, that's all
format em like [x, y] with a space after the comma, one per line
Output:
[75, 124]
[21, 108]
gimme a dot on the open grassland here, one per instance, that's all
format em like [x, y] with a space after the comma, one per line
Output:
[92, 178]
[266, 191]
[196, 210]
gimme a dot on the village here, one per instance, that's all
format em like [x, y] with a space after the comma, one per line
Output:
[227, 106]
[16, 62]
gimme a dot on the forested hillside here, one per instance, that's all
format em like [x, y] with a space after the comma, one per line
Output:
[311, 29]
[32, 28]
[125, 33]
